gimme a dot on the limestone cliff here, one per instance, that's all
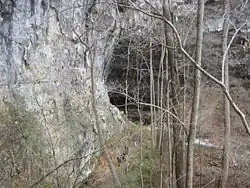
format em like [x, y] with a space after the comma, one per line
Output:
[47, 49]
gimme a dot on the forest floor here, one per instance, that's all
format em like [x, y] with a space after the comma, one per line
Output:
[208, 151]
[212, 128]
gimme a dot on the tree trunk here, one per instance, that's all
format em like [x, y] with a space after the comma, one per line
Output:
[174, 86]
[225, 80]
[196, 99]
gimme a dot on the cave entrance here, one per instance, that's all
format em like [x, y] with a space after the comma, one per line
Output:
[128, 78]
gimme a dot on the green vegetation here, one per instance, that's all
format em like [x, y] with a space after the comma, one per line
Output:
[141, 162]
[22, 144]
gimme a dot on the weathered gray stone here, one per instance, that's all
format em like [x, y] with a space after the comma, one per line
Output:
[44, 65]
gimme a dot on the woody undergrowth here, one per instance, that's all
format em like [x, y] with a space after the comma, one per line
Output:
[21, 149]
[140, 158]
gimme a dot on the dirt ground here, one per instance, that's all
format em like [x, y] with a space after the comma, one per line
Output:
[211, 127]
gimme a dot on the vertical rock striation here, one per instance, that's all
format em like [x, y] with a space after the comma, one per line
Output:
[46, 51]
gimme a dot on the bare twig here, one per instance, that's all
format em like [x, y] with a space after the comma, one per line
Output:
[229, 45]
[218, 82]
[155, 106]
[59, 166]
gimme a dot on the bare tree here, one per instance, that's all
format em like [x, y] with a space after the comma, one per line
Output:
[196, 98]
[225, 80]
[152, 98]
[174, 84]
[203, 71]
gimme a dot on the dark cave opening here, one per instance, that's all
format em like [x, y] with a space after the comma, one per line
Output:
[128, 74]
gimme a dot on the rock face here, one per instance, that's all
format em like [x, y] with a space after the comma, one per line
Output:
[46, 52]
[47, 48]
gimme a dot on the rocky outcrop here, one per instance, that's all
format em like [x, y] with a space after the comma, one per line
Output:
[46, 51]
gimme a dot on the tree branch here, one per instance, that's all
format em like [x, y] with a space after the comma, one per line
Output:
[218, 82]
[59, 166]
[155, 106]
